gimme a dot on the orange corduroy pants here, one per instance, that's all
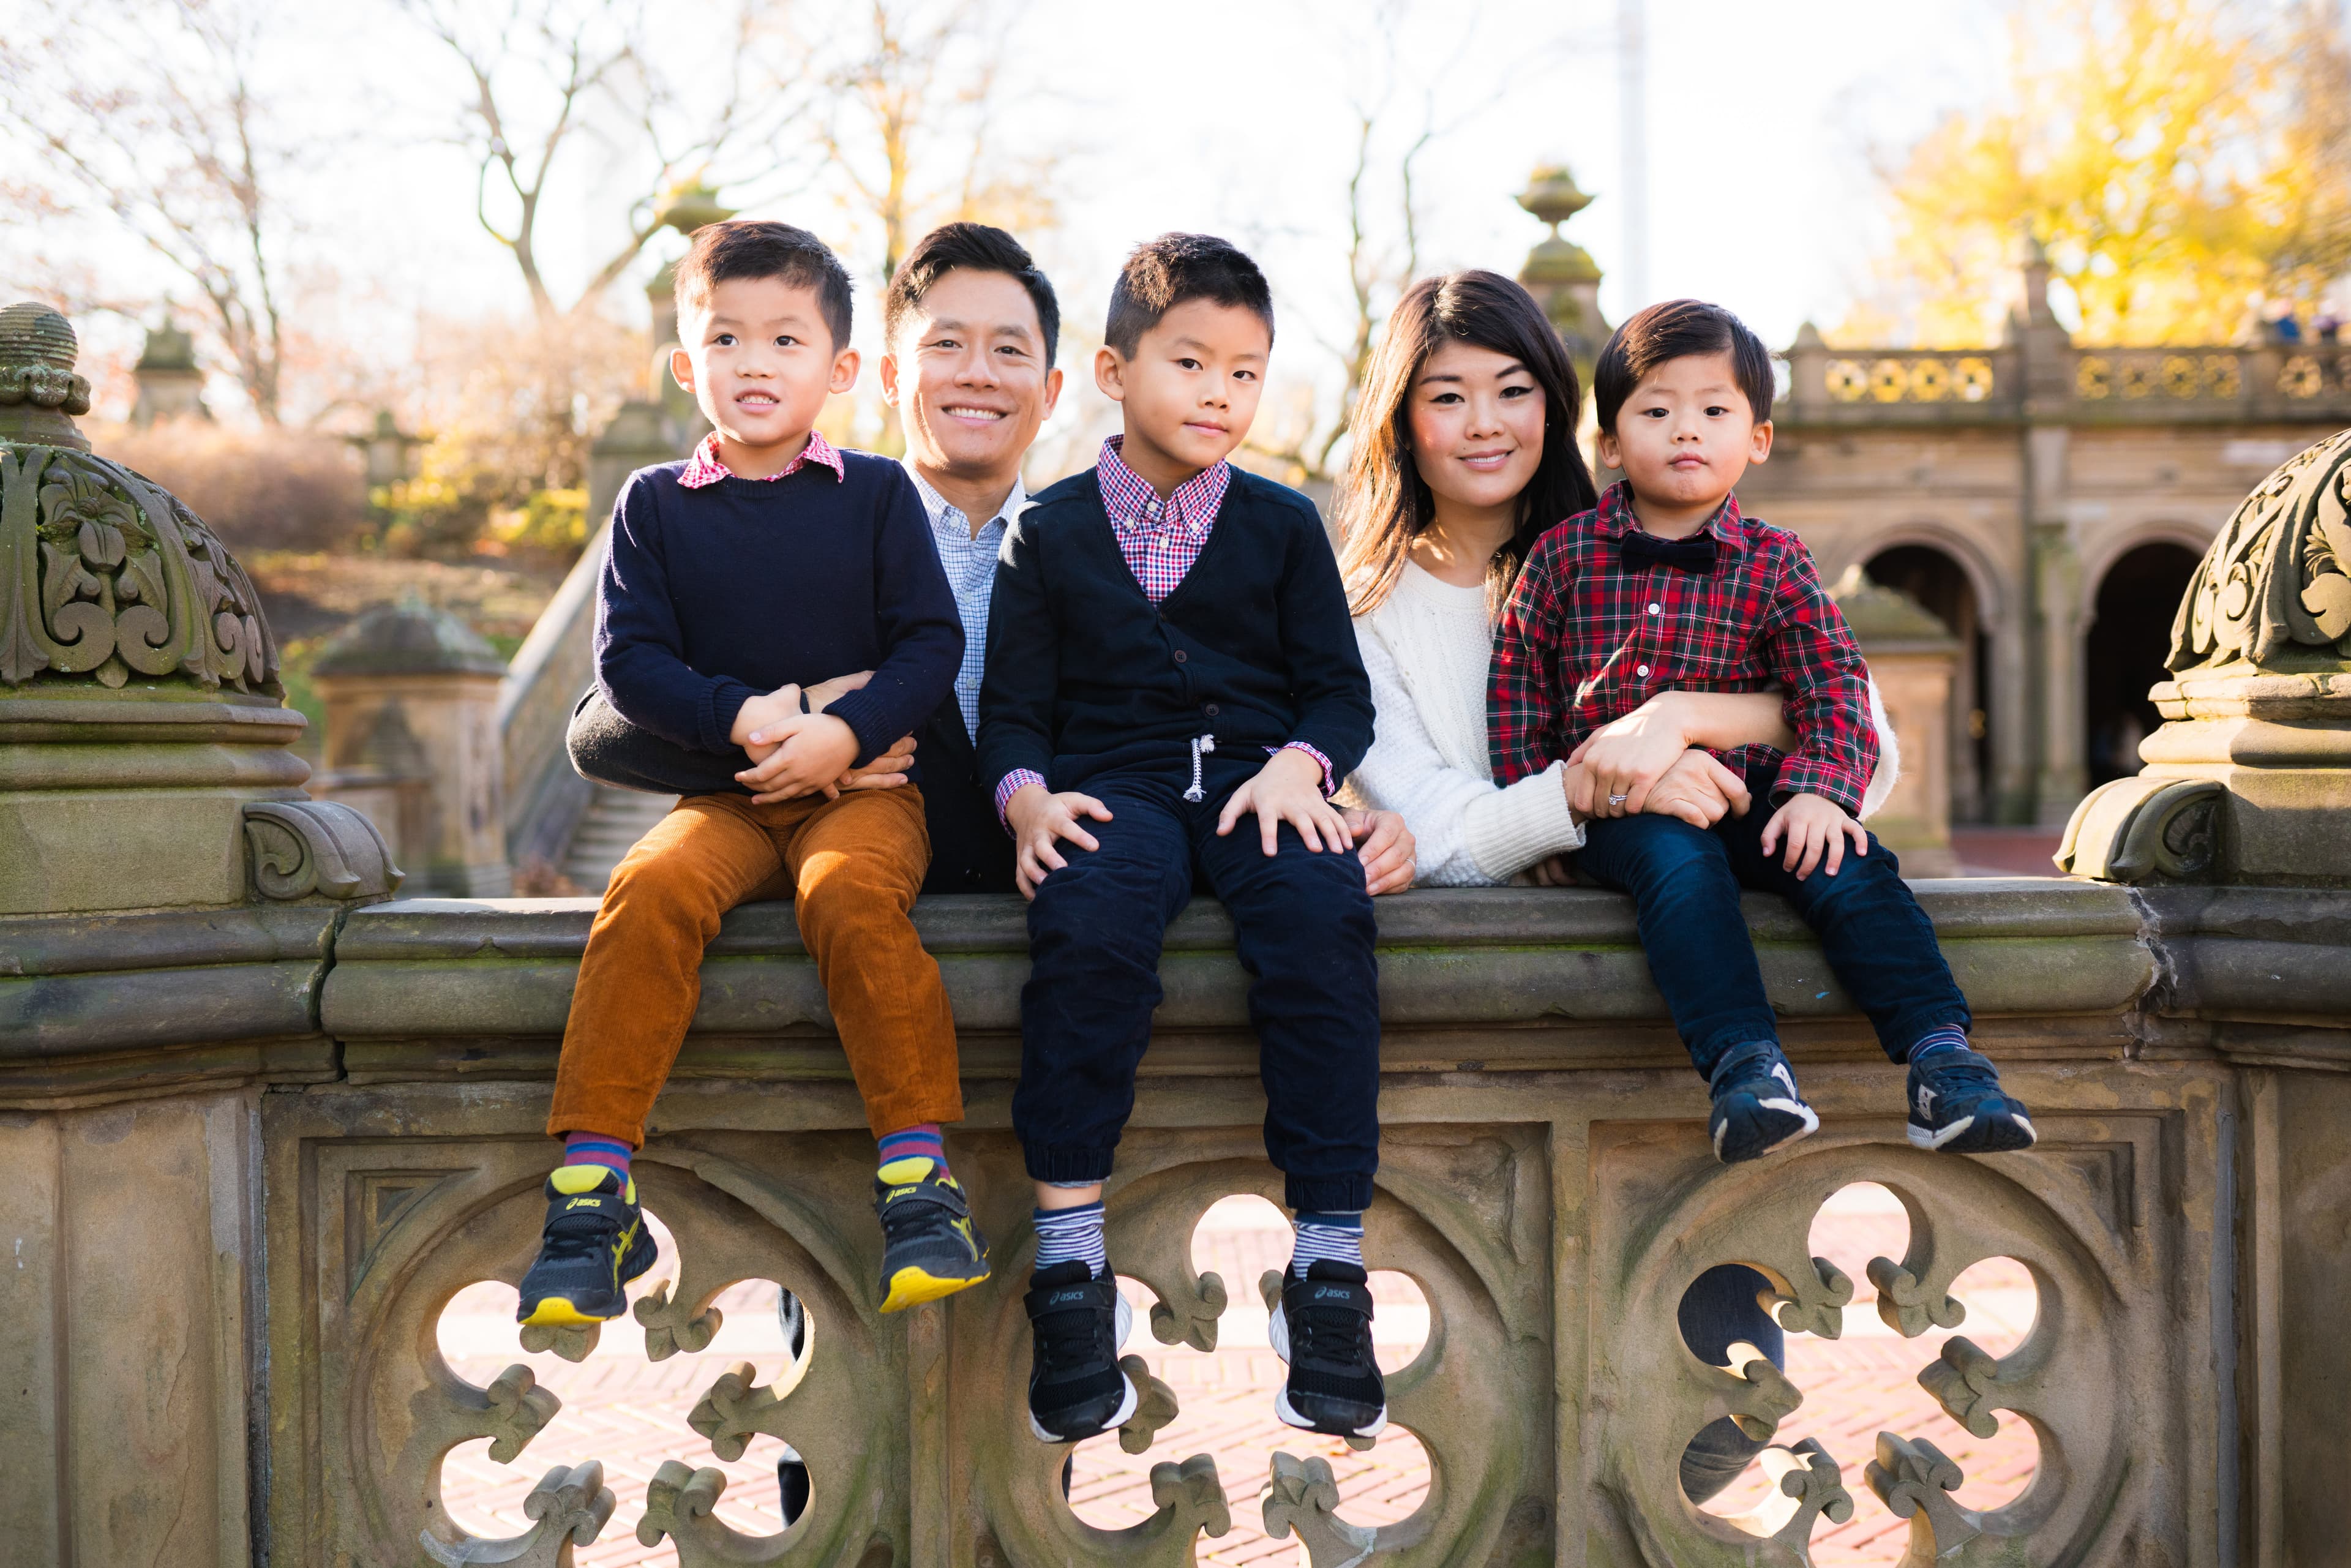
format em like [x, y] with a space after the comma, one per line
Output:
[852, 866]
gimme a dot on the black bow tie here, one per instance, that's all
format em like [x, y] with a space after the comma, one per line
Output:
[1695, 553]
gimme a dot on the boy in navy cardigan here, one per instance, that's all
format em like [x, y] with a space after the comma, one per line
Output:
[1168, 652]
[742, 583]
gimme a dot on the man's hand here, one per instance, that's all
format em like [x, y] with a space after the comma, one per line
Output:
[1288, 789]
[1623, 761]
[1813, 826]
[887, 771]
[1384, 845]
[1700, 790]
[817, 752]
[1036, 817]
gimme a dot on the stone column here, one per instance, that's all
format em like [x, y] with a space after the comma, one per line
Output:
[412, 697]
[2057, 592]
[167, 896]
[1911, 658]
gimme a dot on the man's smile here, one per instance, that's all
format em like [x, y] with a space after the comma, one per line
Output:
[972, 412]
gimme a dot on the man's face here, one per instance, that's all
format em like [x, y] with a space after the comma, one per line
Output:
[760, 361]
[1191, 388]
[968, 371]
[1687, 435]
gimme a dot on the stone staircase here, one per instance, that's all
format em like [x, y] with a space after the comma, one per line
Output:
[615, 820]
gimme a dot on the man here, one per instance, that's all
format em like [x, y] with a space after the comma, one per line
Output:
[970, 328]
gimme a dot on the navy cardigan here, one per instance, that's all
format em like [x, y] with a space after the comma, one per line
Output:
[1254, 647]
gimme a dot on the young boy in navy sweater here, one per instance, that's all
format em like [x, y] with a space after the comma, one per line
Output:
[741, 583]
[1169, 653]
[1668, 586]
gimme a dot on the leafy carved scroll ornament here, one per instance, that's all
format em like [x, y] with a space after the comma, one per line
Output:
[2278, 578]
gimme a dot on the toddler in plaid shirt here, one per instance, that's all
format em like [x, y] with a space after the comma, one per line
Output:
[1667, 586]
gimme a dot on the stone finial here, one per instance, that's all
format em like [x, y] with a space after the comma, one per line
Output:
[1552, 197]
[39, 392]
[2274, 589]
[409, 637]
[569, 1507]
[1303, 1499]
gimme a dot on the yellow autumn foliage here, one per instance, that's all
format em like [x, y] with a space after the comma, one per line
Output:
[2183, 162]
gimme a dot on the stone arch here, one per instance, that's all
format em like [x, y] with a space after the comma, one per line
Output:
[2130, 594]
[1997, 597]
[2193, 538]
[1959, 588]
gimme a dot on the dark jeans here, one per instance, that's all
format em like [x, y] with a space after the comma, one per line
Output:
[1303, 925]
[1687, 881]
[1718, 1309]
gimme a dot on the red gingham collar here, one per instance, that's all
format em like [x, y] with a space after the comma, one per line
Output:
[706, 468]
[1131, 503]
[1616, 519]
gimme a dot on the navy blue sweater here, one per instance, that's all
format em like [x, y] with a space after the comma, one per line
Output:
[1254, 646]
[713, 596]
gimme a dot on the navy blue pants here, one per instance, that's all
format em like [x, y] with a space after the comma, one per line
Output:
[1304, 929]
[1685, 881]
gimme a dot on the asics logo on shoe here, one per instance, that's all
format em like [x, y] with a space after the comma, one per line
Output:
[1325, 1293]
[898, 1192]
[583, 1203]
[1925, 1101]
[963, 1227]
[1057, 1297]
[1780, 1071]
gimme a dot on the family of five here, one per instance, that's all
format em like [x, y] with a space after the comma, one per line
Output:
[868, 679]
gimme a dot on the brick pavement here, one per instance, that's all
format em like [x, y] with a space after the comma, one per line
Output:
[632, 1413]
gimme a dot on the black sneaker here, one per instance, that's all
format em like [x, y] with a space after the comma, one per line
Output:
[1322, 1328]
[1756, 1106]
[1957, 1106]
[595, 1243]
[1078, 1320]
[931, 1245]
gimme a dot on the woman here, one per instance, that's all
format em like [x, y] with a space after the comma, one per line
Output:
[1465, 453]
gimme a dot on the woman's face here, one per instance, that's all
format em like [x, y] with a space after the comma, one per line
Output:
[1477, 426]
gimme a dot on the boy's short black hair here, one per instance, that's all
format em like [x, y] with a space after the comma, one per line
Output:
[1676, 329]
[757, 247]
[1161, 274]
[980, 248]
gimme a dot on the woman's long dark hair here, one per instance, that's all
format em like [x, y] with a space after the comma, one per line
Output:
[1385, 503]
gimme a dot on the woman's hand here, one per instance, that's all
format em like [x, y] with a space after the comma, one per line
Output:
[1699, 789]
[1620, 763]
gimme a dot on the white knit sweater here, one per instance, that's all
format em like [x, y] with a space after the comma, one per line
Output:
[1427, 651]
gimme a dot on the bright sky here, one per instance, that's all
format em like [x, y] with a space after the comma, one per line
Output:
[1238, 119]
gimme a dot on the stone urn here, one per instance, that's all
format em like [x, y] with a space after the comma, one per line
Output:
[145, 735]
[2249, 778]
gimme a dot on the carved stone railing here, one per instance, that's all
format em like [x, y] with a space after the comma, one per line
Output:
[2040, 376]
[1545, 1181]
[544, 679]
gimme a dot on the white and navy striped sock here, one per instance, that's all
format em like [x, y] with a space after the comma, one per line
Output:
[1950, 1037]
[1324, 1237]
[1064, 1235]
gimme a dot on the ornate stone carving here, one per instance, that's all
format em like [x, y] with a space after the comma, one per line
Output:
[730, 1414]
[570, 1505]
[2146, 828]
[1820, 1311]
[572, 1341]
[1155, 1405]
[103, 576]
[1909, 1302]
[1773, 1400]
[304, 849]
[1966, 1380]
[1191, 1503]
[519, 1410]
[1303, 1499]
[671, 1326]
[1808, 1484]
[1914, 1481]
[2279, 577]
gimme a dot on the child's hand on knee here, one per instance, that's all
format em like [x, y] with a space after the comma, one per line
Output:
[1288, 789]
[818, 751]
[1036, 817]
[1815, 826]
[1698, 790]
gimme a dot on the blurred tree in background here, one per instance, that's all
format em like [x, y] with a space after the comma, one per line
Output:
[2185, 163]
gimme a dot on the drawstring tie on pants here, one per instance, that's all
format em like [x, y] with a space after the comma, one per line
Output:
[1205, 742]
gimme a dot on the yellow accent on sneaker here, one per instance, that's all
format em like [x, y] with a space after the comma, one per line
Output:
[584, 1178]
[912, 1286]
[913, 1168]
[557, 1311]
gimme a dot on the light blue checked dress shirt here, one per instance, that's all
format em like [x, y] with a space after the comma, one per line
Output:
[970, 566]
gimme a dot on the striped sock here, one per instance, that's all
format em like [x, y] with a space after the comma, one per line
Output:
[596, 1149]
[1950, 1037]
[1326, 1237]
[1066, 1235]
[919, 1142]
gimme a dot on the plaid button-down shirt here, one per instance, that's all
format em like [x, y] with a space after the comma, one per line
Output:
[706, 468]
[1161, 540]
[1583, 642]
